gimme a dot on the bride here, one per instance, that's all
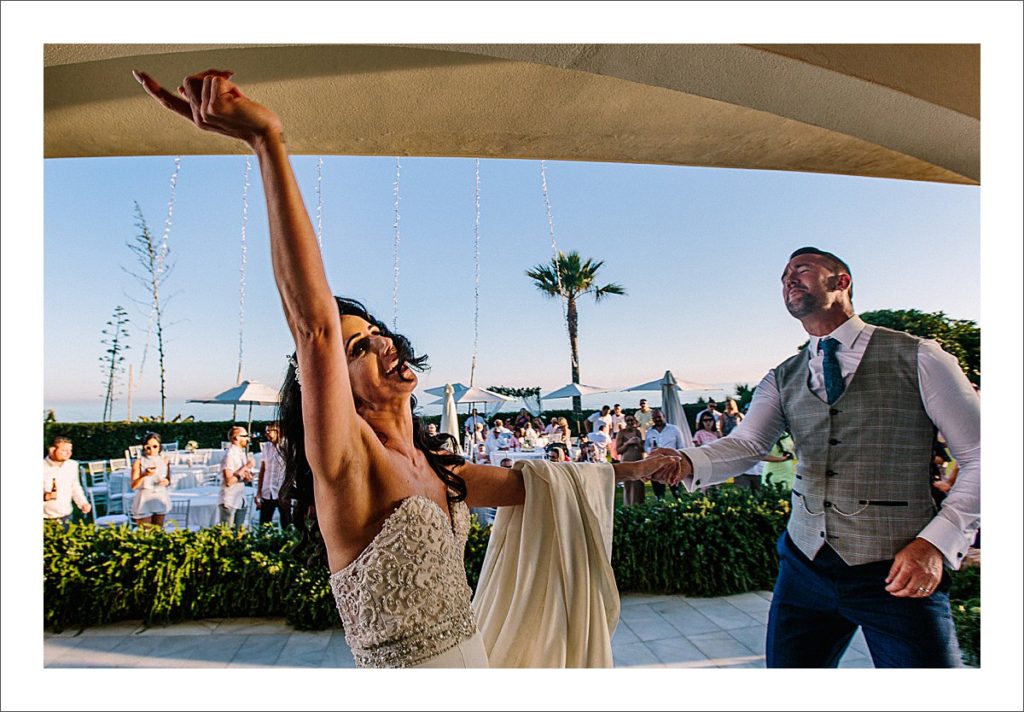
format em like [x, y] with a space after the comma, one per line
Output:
[391, 502]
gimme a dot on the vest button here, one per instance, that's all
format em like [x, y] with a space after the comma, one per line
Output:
[831, 473]
[827, 503]
[822, 534]
[833, 441]
[834, 411]
[696, 482]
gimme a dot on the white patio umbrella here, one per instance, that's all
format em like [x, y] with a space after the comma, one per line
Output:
[438, 391]
[449, 417]
[682, 385]
[576, 389]
[672, 409]
[245, 393]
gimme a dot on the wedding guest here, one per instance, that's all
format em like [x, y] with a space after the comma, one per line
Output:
[660, 435]
[268, 488]
[731, 417]
[711, 408]
[236, 470]
[643, 416]
[706, 432]
[629, 443]
[151, 481]
[60, 482]
[602, 416]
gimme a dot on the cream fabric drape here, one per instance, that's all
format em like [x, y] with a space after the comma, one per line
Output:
[547, 596]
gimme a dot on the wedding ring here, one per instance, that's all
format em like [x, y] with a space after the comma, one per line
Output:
[922, 589]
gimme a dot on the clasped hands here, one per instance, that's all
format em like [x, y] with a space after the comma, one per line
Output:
[663, 465]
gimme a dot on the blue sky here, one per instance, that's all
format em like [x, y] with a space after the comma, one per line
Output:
[699, 250]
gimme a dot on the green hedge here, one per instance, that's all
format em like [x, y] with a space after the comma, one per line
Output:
[100, 441]
[719, 544]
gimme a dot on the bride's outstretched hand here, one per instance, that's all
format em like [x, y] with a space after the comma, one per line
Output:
[660, 468]
[213, 102]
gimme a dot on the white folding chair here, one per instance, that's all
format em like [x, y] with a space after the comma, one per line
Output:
[96, 481]
[107, 520]
[134, 452]
[118, 463]
[171, 447]
[179, 514]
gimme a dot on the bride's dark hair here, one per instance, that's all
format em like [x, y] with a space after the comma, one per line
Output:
[298, 483]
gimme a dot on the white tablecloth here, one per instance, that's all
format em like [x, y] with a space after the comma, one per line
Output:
[204, 510]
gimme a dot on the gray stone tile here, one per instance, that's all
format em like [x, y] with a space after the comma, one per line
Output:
[79, 652]
[723, 649]
[856, 663]
[723, 614]
[753, 637]
[637, 599]
[623, 635]
[259, 651]
[652, 629]
[157, 651]
[200, 627]
[121, 628]
[55, 649]
[217, 650]
[253, 626]
[759, 616]
[677, 651]
[634, 655]
[638, 612]
[689, 621]
[338, 654]
[305, 649]
[749, 602]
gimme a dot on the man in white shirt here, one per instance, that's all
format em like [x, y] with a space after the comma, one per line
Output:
[663, 434]
[271, 478]
[472, 421]
[235, 471]
[864, 545]
[601, 441]
[60, 482]
[601, 416]
[643, 416]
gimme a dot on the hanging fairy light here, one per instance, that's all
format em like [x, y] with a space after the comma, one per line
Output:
[161, 258]
[398, 242]
[554, 248]
[476, 277]
[320, 202]
[241, 266]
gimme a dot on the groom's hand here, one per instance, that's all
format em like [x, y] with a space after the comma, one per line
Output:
[683, 470]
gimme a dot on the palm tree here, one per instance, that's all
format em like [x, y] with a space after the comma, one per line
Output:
[569, 277]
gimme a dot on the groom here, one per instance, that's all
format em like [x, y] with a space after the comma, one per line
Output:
[864, 545]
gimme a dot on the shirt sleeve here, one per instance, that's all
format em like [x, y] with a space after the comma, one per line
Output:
[717, 461]
[954, 407]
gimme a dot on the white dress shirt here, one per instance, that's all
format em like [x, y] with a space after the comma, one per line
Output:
[670, 436]
[68, 488]
[949, 400]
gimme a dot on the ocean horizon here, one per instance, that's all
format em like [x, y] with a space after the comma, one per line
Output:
[91, 410]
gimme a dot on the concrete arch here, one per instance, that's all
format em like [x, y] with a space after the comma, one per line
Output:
[894, 111]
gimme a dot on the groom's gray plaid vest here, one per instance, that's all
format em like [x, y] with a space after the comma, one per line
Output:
[862, 481]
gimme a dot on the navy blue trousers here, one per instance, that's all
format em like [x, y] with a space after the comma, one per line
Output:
[818, 605]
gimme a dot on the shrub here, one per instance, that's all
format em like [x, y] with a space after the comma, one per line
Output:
[713, 545]
[99, 441]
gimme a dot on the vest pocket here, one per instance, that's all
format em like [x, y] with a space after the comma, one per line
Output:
[885, 502]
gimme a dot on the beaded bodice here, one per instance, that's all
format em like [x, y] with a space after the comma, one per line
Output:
[405, 598]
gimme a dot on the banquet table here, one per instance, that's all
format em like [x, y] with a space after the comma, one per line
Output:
[204, 510]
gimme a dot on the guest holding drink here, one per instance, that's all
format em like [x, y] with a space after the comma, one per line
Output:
[151, 481]
[235, 470]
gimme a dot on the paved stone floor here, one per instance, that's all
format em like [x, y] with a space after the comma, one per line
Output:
[653, 632]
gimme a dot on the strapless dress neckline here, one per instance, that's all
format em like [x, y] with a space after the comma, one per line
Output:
[405, 599]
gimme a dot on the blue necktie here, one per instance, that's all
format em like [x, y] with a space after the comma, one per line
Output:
[834, 383]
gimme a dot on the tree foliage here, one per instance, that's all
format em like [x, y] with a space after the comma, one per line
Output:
[960, 337]
[112, 360]
[569, 277]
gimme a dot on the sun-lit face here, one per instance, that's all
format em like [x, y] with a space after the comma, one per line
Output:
[373, 362]
[810, 284]
[61, 452]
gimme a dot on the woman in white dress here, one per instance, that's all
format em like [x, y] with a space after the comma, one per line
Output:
[391, 502]
[151, 482]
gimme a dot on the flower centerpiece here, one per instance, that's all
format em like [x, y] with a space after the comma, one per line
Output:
[191, 446]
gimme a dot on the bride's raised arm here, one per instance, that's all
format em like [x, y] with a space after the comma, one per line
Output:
[334, 433]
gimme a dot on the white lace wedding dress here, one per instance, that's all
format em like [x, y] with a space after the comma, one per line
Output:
[546, 597]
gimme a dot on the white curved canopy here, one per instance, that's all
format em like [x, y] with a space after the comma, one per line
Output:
[895, 111]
